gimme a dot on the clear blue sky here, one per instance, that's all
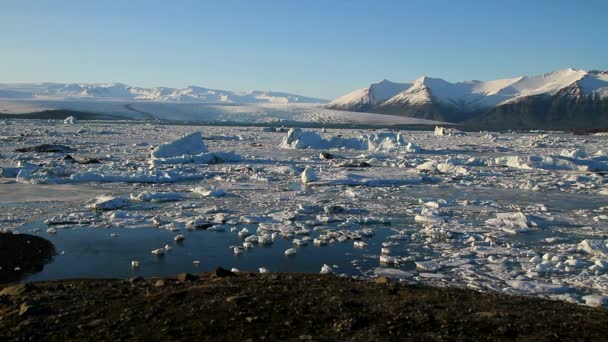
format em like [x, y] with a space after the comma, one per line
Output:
[317, 48]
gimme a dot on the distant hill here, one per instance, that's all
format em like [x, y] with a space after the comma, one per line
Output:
[123, 92]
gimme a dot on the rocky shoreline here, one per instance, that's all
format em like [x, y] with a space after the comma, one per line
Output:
[281, 306]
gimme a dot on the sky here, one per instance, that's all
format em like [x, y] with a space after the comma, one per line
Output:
[321, 48]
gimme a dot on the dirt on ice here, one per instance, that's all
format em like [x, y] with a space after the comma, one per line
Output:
[282, 306]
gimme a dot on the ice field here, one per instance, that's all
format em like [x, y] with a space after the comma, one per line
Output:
[520, 213]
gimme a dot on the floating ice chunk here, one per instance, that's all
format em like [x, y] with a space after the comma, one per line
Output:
[234, 270]
[190, 144]
[237, 250]
[209, 193]
[359, 244]
[148, 196]
[392, 273]
[385, 141]
[536, 287]
[135, 264]
[427, 166]
[70, 120]
[263, 270]
[495, 260]
[247, 244]
[429, 266]
[106, 202]
[159, 251]
[299, 242]
[388, 142]
[389, 260]
[290, 251]
[600, 265]
[429, 217]
[51, 231]
[595, 300]
[452, 169]
[179, 238]
[265, 240]
[489, 136]
[574, 153]
[511, 222]
[189, 149]
[326, 269]
[309, 175]
[198, 223]
[595, 247]
[252, 238]
[298, 139]
[204, 158]
[320, 241]
[156, 176]
[412, 148]
[385, 250]
[537, 162]
[536, 259]
[244, 233]
[439, 131]
[433, 204]
[574, 263]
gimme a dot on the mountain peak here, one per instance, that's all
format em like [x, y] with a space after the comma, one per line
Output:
[438, 96]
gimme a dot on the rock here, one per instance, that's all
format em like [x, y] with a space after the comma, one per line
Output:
[382, 280]
[68, 158]
[235, 299]
[135, 280]
[16, 290]
[222, 272]
[185, 277]
[89, 161]
[95, 323]
[160, 283]
[29, 309]
[47, 148]
[326, 155]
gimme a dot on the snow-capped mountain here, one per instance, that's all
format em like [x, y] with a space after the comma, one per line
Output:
[122, 92]
[367, 98]
[548, 98]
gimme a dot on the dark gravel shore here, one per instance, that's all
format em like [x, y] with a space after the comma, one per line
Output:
[282, 306]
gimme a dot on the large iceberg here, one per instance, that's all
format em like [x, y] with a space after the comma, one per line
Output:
[296, 138]
[189, 149]
[190, 144]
